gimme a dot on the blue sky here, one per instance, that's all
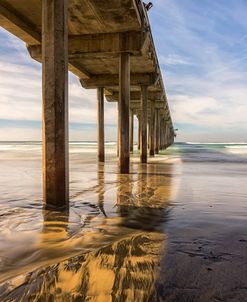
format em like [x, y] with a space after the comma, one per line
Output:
[202, 49]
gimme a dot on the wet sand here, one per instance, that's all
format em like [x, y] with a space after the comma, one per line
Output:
[172, 230]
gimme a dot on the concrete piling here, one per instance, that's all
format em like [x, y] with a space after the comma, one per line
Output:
[100, 125]
[152, 129]
[143, 147]
[131, 131]
[55, 103]
[124, 103]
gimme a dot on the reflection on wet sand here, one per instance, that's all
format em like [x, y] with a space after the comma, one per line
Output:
[118, 255]
[101, 187]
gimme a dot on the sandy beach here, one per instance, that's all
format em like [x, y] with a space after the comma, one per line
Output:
[172, 230]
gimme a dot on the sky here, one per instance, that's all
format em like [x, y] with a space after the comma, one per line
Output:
[202, 50]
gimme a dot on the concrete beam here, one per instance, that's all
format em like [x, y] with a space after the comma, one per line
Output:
[139, 112]
[137, 105]
[75, 67]
[19, 24]
[135, 96]
[112, 80]
[106, 44]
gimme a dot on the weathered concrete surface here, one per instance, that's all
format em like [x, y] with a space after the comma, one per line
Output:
[123, 111]
[55, 103]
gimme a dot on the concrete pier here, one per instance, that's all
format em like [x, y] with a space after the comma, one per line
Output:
[107, 52]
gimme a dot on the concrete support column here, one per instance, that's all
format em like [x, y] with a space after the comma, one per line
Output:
[164, 134]
[101, 132]
[161, 132]
[157, 130]
[118, 130]
[149, 133]
[144, 118]
[172, 137]
[162, 125]
[131, 131]
[169, 137]
[167, 134]
[124, 103]
[55, 103]
[139, 133]
[152, 129]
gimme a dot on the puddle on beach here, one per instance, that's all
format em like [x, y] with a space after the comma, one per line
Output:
[169, 231]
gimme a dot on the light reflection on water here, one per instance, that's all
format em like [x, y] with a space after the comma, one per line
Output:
[107, 248]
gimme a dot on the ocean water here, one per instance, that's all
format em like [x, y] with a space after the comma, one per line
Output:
[208, 152]
[212, 152]
[171, 230]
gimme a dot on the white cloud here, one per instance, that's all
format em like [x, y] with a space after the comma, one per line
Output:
[202, 48]
[174, 59]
